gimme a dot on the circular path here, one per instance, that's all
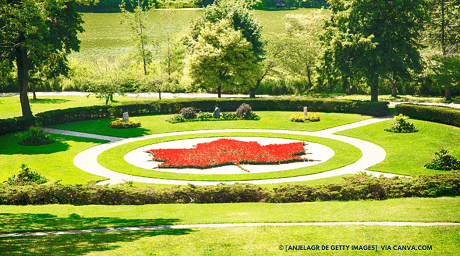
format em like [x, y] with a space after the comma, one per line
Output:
[371, 155]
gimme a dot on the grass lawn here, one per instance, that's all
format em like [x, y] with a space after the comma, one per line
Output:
[277, 120]
[345, 154]
[69, 217]
[54, 161]
[11, 107]
[240, 241]
[407, 153]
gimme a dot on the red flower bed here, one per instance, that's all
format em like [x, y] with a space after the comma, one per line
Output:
[228, 151]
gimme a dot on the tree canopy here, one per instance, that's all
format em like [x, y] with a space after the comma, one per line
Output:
[35, 33]
[374, 38]
[221, 58]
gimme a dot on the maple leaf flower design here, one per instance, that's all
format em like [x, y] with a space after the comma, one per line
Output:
[228, 152]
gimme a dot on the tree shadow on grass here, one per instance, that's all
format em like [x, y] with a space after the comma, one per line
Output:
[79, 244]
[48, 101]
[10, 144]
[73, 244]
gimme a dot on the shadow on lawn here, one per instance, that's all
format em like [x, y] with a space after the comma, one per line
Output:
[11, 146]
[74, 244]
[48, 101]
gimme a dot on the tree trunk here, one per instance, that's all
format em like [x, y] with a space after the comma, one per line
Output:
[22, 63]
[252, 90]
[346, 85]
[159, 94]
[33, 91]
[448, 93]
[309, 76]
[219, 93]
[394, 91]
[375, 89]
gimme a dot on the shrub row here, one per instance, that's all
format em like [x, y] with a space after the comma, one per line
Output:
[444, 115]
[352, 188]
[169, 106]
[16, 124]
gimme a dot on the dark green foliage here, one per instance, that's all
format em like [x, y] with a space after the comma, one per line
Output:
[188, 113]
[243, 111]
[16, 124]
[353, 188]
[26, 177]
[36, 137]
[444, 161]
[444, 115]
[168, 106]
[401, 125]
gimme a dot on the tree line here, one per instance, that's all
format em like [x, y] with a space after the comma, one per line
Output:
[349, 44]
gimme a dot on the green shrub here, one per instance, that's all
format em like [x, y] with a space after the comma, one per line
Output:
[16, 124]
[119, 124]
[444, 115]
[168, 106]
[228, 116]
[188, 113]
[352, 188]
[26, 176]
[444, 161]
[243, 110]
[204, 115]
[401, 125]
[36, 137]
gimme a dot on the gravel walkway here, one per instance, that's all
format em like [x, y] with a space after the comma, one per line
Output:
[227, 225]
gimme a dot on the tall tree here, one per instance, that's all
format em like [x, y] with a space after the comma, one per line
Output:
[303, 45]
[35, 31]
[221, 58]
[376, 37]
[443, 34]
[137, 22]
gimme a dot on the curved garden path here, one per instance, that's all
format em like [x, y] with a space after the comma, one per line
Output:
[371, 155]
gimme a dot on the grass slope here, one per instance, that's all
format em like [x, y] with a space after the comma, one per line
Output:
[11, 107]
[407, 153]
[277, 120]
[54, 161]
[69, 217]
[240, 241]
[345, 154]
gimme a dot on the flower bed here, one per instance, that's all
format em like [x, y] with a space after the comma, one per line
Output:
[119, 124]
[228, 152]
[205, 116]
[304, 118]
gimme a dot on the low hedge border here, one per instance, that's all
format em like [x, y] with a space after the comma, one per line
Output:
[438, 114]
[169, 106]
[352, 188]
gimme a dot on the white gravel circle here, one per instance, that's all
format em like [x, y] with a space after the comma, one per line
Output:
[316, 152]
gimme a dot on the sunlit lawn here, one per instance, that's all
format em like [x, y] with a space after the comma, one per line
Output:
[407, 153]
[11, 107]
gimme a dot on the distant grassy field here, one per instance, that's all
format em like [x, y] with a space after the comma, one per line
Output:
[105, 36]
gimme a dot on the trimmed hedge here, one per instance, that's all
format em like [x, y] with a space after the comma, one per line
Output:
[444, 115]
[171, 106]
[353, 188]
[16, 124]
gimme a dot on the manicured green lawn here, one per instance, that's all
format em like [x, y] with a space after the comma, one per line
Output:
[345, 154]
[54, 161]
[69, 217]
[240, 241]
[278, 120]
[11, 107]
[407, 153]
